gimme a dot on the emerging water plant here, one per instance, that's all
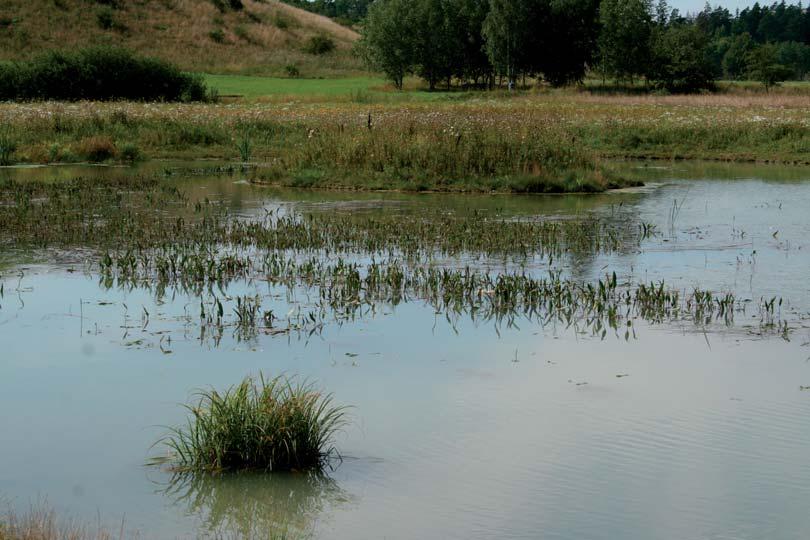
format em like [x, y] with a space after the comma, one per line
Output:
[245, 146]
[7, 147]
[277, 424]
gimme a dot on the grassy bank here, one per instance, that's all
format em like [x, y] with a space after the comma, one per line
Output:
[263, 37]
[537, 142]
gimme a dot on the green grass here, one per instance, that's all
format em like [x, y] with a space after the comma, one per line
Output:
[268, 424]
[257, 87]
[362, 89]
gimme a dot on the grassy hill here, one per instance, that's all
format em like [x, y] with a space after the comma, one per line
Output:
[261, 38]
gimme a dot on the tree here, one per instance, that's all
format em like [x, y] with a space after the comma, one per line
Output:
[735, 61]
[466, 32]
[553, 39]
[794, 56]
[571, 31]
[764, 66]
[433, 46]
[389, 39]
[508, 35]
[680, 60]
[624, 42]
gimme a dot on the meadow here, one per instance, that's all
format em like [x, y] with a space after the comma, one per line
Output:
[356, 134]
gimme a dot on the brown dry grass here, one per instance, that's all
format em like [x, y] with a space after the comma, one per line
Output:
[179, 31]
[41, 523]
[740, 100]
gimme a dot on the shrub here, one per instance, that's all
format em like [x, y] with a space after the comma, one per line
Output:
[97, 74]
[242, 33]
[319, 44]
[280, 21]
[130, 152]
[217, 35]
[96, 149]
[273, 424]
[223, 5]
[292, 70]
[254, 17]
[105, 17]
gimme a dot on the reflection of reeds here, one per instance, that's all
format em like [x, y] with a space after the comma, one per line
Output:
[274, 424]
[255, 505]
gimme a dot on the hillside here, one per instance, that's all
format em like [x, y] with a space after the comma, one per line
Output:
[263, 37]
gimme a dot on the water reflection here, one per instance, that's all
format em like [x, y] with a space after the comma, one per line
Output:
[253, 505]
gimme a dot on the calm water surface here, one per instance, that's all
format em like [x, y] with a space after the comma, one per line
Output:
[459, 431]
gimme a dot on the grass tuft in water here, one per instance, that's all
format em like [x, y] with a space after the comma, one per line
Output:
[277, 424]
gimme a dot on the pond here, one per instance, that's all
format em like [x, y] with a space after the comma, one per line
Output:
[462, 426]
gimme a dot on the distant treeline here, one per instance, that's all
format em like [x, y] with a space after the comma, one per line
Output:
[344, 11]
[97, 73]
[501, 42]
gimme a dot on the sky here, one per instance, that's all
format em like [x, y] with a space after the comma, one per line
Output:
[697, 5]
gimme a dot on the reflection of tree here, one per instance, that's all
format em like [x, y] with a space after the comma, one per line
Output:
[256, 505]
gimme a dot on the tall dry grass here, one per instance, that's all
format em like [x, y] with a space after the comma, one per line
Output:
[179, 31]
[41, 523]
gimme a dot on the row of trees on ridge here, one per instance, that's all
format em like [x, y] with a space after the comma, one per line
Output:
[490, 42]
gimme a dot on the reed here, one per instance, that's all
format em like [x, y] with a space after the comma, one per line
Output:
[41, 523]
[277, 424]
[7, 147]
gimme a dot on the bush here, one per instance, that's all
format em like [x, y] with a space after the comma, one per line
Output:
[280, 21]
[319, 44]
[130, 152]
[98, 74]
[105, 17]
[292, 71]
[271, 424]
[223, 5]
[217, 35]
[242, 33]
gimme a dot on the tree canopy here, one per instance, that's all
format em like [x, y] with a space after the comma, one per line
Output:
[489, 42]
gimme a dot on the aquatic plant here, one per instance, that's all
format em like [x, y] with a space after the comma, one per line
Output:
[7, 147]
[245, 146]
[277, 424]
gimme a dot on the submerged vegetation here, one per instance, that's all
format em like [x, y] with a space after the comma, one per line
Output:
[345, 265]
[268, 424]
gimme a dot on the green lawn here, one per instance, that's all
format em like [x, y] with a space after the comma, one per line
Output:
[365, 88]
[256, 87]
